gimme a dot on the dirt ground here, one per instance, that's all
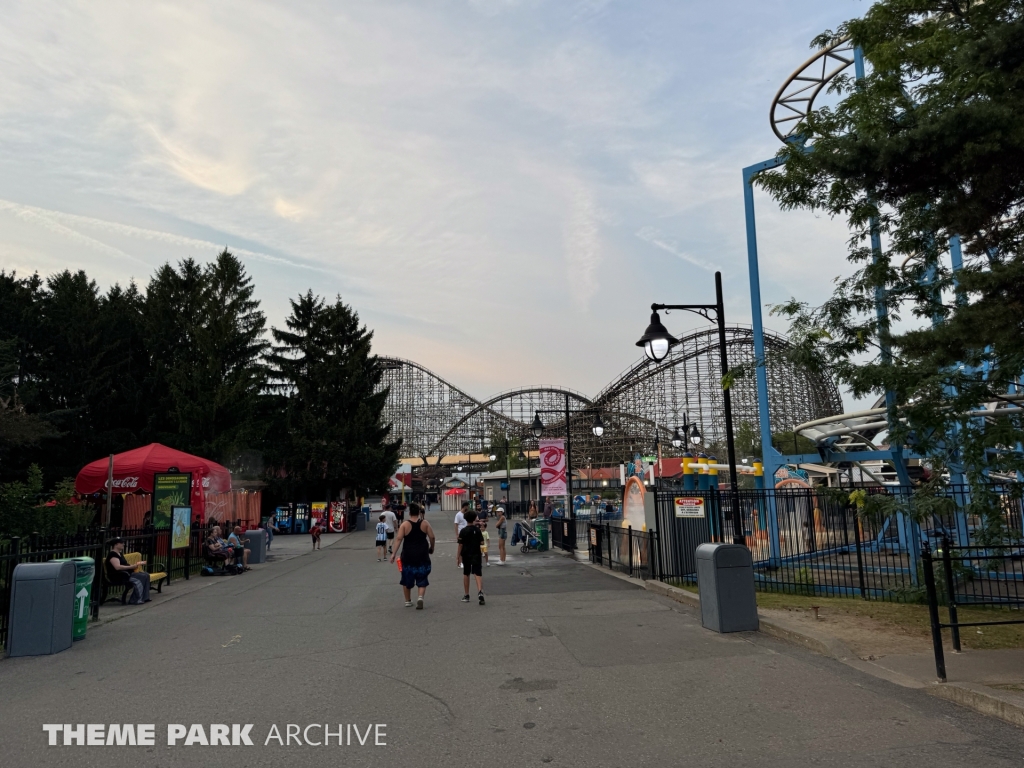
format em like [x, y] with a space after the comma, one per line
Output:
[874, 629]
[868, 637]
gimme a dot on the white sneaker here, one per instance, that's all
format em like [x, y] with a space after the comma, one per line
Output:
[488, 564]
[408, 603]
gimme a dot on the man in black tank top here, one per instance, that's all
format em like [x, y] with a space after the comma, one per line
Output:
[416, 539]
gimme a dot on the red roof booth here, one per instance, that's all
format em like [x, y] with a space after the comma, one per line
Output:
[134, 471]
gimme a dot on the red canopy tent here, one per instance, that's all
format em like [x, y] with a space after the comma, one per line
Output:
[134, 470]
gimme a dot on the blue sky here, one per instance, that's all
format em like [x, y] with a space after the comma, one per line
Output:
[499, 187]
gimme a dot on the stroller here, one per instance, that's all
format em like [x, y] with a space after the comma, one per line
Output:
[525, 533]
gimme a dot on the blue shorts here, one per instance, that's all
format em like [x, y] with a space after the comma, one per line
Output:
[415, 576]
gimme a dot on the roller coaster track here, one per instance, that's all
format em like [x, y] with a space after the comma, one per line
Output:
[435, 419]
[795, 99]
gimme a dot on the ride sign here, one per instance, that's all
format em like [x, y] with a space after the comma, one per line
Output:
[689, 506]
[552, 467]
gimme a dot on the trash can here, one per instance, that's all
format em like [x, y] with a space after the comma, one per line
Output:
[257, 545]
[361, 520]
[725, 578]
[543, 528]
[85, 572]
[42, 608]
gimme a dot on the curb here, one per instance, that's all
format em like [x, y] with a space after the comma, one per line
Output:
[986, 701]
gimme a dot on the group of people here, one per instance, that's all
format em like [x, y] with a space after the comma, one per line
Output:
[232, 550]
[473, 544]
[410, 544]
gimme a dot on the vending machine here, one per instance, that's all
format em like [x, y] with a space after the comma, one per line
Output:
[318, 514]
[301, 519]
[339, 513]
[285, 518]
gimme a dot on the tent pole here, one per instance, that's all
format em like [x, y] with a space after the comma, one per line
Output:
[110, 492]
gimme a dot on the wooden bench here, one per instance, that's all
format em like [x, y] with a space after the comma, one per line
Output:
[158, 574]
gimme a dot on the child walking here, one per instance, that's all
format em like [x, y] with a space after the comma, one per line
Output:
[469, 556]
[487, 540]
[315, 532]
[382, 539]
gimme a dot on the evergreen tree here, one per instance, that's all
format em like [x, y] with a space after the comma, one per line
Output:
[205, 334]
[327, 375]
[119, 407]
[173, 318]
[927, 148]
[22, 430]
[69, 366]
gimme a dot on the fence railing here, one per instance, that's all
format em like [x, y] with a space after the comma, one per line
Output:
[564, 534]
[634, 553]
[977, 577]
[154, 545]
[814, 541]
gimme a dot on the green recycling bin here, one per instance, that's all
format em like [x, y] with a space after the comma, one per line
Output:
[85, 571]
[543, 528]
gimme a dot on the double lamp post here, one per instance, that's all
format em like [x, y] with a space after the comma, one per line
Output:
[537, 428]
[657, 342]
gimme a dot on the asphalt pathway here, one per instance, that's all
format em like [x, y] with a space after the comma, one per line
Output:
[564, 666]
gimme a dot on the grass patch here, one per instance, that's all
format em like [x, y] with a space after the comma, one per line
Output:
[904, 618]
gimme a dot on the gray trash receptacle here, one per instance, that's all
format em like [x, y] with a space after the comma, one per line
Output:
[257, 545]
[42, 609]
[725, 578]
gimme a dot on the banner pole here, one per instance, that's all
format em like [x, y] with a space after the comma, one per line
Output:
[110, 492]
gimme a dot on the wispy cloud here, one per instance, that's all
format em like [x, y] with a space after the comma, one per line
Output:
[470, 174]
[658, 240]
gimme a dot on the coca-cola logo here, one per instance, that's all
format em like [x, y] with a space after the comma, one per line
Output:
[124, 482]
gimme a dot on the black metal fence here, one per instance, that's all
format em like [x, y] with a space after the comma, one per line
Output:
[154, 545]
[977, 577]
[563, 534]
[634, 553]
[815, 541]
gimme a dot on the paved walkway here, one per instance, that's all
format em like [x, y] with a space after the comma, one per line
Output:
[564, 666]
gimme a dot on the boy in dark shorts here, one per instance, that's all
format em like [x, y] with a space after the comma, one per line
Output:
[471, 538]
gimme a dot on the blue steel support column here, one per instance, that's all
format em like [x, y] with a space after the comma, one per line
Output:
[769, 455]
[908, 533]
[956, 467]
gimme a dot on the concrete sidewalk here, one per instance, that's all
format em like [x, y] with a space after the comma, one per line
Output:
[284, 548]
[564, 666]
[988, 681]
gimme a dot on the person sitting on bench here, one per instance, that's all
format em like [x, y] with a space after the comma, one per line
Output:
[237, 543]
[120, 573]
[218, 548]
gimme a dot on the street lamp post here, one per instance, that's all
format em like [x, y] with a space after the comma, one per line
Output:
[597, 428]
[657, 341]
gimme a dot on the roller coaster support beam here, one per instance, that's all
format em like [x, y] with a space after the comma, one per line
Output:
[771, 458]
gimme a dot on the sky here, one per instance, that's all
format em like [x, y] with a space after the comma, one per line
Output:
[500, 188]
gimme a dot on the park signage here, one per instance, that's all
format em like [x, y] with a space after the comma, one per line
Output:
[552, 467]
[689, 506]
[170, 489]
[181, 527]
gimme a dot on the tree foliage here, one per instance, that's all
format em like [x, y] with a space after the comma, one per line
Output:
[185, 362]
[926, 149]
[326, 375]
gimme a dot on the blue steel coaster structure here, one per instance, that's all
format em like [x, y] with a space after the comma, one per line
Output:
[846, 438]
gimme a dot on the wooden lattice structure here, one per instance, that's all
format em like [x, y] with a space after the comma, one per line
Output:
[436, 419]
